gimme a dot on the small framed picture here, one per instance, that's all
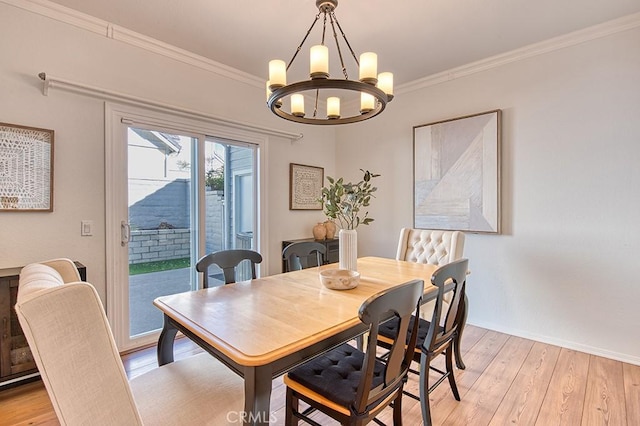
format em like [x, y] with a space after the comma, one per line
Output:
[26, 169]
[305, 187]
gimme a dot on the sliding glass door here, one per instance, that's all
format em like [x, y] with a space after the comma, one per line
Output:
[230, 201]
[176, 194]
[161, 232]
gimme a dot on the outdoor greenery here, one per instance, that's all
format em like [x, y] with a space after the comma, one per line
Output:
[161, 265]
[214, 176]
[214, 179]
[345, 201]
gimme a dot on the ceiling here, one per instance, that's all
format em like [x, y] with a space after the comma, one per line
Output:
[413, 38]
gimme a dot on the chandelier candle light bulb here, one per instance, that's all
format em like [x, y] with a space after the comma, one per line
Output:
[385, 83]
[319, 61]
[333, 107]
[277, 74]
[367, 102]
[297, 105]
[369, 68]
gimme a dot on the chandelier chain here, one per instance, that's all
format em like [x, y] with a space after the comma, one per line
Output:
[324, 27]
[355, 57]
[315, 106]
[304, 39]
[332, 18]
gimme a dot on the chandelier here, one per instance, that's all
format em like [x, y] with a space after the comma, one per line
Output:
[375, 89]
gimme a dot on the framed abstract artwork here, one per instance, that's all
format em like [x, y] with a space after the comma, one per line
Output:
[26, 169]
[457, 174]
[305, 187]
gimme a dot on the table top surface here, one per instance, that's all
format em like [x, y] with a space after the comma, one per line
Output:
[259, 321]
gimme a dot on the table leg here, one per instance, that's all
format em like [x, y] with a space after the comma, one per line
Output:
[165, 342]
[257, 395]
[456, 343]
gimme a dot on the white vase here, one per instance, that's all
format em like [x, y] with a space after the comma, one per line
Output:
[348, 249]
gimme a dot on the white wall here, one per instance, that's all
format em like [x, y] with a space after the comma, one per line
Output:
[565, 269]
[31, 43]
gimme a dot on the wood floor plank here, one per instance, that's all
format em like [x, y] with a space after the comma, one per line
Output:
[477, 359]
[604, 402]
[522, 402]
[469, 341]
[564, 401]
[497, 366]
[484, 397]
[632, 392]
[26, 404]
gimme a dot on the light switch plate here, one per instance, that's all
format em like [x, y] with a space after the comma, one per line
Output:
[86, 229]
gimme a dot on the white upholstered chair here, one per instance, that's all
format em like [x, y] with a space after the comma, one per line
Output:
[437, 248]
[68, 333]
[429, 246]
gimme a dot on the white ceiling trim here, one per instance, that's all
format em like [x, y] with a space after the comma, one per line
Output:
[115, 32]
[104, 28]
[597, 31]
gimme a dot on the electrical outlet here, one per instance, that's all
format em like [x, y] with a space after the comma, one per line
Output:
[86, 229]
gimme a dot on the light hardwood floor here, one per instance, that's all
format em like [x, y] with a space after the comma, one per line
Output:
[508, 381]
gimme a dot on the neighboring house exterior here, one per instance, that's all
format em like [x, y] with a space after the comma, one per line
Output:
[160, 200]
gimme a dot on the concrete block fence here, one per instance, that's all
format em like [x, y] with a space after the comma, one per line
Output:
[151, 245]
[158, 244]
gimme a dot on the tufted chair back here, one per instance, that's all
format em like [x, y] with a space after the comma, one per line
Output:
[429, 246]
[434, 247]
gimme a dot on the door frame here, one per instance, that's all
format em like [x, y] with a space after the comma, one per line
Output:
[118, 117]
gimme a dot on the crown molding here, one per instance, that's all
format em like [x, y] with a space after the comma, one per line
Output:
[115, 32]
[571, 39]
[106, 29]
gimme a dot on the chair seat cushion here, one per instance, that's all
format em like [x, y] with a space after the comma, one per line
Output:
[389, 329]
[336, 374]
[199, 390]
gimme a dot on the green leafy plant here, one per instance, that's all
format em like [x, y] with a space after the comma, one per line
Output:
[346, 201]
[214, 179]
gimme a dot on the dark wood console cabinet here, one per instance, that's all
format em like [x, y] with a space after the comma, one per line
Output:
[16, 361]
[331, 256]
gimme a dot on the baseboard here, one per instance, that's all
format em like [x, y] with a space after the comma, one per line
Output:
[592, 350]
[19, 381]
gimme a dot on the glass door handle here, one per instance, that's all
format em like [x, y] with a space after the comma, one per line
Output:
[125, 233]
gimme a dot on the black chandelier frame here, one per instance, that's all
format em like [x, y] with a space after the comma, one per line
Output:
[317, 83]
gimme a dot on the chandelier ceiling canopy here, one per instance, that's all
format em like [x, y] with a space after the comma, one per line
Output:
[375, 90]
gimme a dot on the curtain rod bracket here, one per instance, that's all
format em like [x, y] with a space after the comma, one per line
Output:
[45, 83]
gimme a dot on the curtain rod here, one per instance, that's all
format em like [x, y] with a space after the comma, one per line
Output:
[97, 92]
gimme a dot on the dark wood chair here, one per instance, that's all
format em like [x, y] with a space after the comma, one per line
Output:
[435, 337]
[296, 255]
[227, 260]
[352, 386]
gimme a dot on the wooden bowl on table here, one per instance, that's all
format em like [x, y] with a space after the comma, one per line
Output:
[339, 279]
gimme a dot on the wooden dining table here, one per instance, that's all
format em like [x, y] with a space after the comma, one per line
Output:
[263, 327]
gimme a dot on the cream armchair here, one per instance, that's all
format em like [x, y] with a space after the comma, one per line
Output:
[436, 248]
[428, 246]
[68, 333]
